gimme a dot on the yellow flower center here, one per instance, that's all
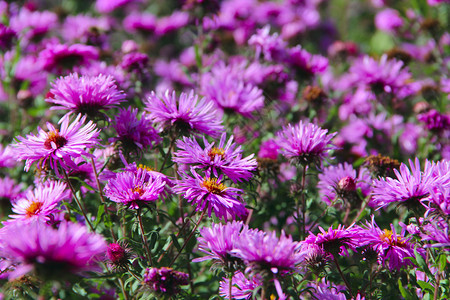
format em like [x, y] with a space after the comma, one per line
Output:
[386, 236]
[33, 208]
[212, 186]
[144, 167]
[216, 151]
[138, 190]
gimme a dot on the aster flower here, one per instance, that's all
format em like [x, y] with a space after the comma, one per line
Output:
[393, 248]
[185, 114]
[305, 143]
[334, 241]
[118, 255]
[165, 281]
[33, 25]
[8, 158]
[269, 149]
[435, 121]
[342, 181]
[168, 24]
[87, 95]
[231, 93]
[316, 258]
[212, 194]
[218, 242]
[388, 20]
[58, 146]
[50, 253]
[305, 63]
[59, 57]
[271, 46]
[411, 185]
[437, 232]
[9, 192]
[269, 256]
[141, 22]
[242, 287]
[135, 62]
[7, 36]
[107, 6]
[41, 202]
[134, 189]
[134, 134]
[226, 158]
[86, 29]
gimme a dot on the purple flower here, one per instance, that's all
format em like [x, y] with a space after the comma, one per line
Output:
[135, 189]
[230, 92]
[87, 95]
[384, 76]
[118, 255]
[392, 248]
[50, 253]
[218, 242]
[242, 287]
[210, 193]
[411, 185]
[59, 57]
[269, 149]
[334, 241]
[29, 70]
[305, 143]
[388, 20]
[305, 63]
[165, 281]
[185, 114]
[271, 46]
[437, 232]
[226, 158]
[107, 6]
[9, 192]
[135, 62]
[41, 202]
[8, 159]
[134, 134]
[142, 22]
[7, 36]
[342, 181]
[176, 20]
[58, 146]
[85, 29]
[435, 121]
[33, 25]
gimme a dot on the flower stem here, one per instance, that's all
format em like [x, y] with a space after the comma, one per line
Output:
[230, 285]
[172, 142]
[80, 206]
[102, 197]
[144, 238]
[122, 287]
[342, 275]
[190, 236]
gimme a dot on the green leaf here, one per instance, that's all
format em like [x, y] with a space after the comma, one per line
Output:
[442, 262]
[101, 210]
[406, 294]
[79, 290]
[422, 264]
[425, 285]
[175, 241]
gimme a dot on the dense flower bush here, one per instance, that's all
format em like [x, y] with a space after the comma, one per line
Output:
[224, 149]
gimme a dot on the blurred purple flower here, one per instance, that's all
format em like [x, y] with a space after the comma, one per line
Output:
[269, 149]
[435, 121]
[165, 281]
[33, 25]
[50, 253]
[59, 57]
[108, 6]
[7, 36]
[306, 64]
[242, 287]
[168, 24]
[388, 20]
[140, 22]
[8, 157]
[271, 46]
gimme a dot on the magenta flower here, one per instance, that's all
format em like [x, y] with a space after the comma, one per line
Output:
[392, 248]
[185, 114]
[230, 92]
[411, 186]
[134, 134]
[8, 159]
[9, 191]
[88, 95]
[58, 146]
[242, 287]
[212, 194]
[305, 143]
[342, 181]
[388, 20]
[305, 63]
[33, 25]
[335, 241]
[225, 158]
[7, 37]
[219, 241]
[134, 189]
[438, 233]
[59, 57]
[271, 46]
[435, 121]
[165, 281]
[140, 22]
[269, 149]
[107, 6]
[50, 253]
[41, 202]
[177, 20]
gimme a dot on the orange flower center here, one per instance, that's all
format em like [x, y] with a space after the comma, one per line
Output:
[34, 208]
[54, 140]
[216, 151]
[212, 186]
[386, 236]
[144, 167]
[139, 190]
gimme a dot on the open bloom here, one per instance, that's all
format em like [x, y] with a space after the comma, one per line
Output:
[85, 94]
[242, 287]
[50, 253]
[212, 194]
[305, 143]
[226, 158]
[392, 248]
[59, 57]
[58, 146]
[218, 242]
[41, 202]
[411, 186]
[134, 189]
[185, 114]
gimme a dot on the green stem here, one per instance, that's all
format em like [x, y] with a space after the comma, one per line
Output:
[144, 238]
[230, 285]
[342, 275]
